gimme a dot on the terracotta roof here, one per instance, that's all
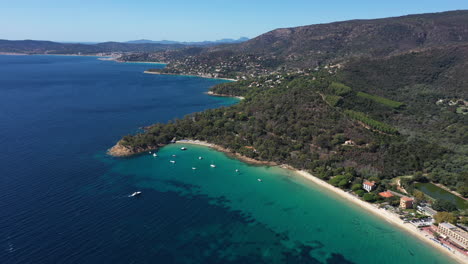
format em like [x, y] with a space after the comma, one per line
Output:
[404, 198]
[386, 194]
[372, 183]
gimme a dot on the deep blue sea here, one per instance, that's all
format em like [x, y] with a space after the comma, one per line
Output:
[62, 200]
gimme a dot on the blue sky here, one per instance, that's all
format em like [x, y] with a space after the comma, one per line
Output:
[121, 20]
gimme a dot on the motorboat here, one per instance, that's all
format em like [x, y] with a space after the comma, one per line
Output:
[134, 194]
[212, 166]
[172, 161]
[183, 148]
[260, 180]
[155, 155]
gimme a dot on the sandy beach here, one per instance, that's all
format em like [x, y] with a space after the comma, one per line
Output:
[224, 95]
[382, 213]
[228, 152]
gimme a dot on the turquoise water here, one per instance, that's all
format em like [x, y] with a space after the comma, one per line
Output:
[62, 200]
[283, 214]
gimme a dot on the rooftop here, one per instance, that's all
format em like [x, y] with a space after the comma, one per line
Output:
[455, 229]
[407, 199]
[447, 225]
[370, 183]
[386, 194]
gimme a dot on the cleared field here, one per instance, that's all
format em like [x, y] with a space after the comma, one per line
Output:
[374, 124]
[381, 100]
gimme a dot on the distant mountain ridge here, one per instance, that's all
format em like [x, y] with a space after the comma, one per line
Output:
[314, 45]
[50, 47]
[194, 43]
[135, 46]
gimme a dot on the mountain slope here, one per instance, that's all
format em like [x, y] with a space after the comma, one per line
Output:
[193, 43]
[315, 45]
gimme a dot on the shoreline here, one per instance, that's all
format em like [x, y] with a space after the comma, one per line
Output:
[348, 197]
[227, 151]
[225, 95]
[383, 214]
[13, 54]
[189, 75]
[142, 62]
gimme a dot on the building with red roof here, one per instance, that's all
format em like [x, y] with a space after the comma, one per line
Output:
[369, 185]
[406, 202]
[386, 194]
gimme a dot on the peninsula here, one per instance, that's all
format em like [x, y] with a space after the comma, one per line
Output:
[372, 116]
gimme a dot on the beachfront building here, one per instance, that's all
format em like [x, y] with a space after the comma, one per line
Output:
[368, 185]
[386, 194]
[455, 234]
[406, 202]
[427, 210]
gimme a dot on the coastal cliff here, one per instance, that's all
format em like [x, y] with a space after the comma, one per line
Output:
[121, 150]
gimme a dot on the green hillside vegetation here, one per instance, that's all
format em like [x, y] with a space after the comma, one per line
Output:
[339, 89]
[381, 100]
[333, 100]
[303, 116]
[291, 123]
[374, 124]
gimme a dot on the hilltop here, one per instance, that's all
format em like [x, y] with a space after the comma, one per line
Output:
[298, 48]
[191, 43]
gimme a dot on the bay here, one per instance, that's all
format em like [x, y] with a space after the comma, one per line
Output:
[63, 200]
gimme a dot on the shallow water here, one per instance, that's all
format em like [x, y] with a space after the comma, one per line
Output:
[62, 200]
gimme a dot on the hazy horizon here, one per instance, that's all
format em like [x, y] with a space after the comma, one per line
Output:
[87, 21]
[129, 40]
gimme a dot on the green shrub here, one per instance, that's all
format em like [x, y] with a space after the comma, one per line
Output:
[360, 193]
[369, 197]
[356, 187]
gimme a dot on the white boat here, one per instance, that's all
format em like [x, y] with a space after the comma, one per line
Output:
[237, 170]
[200, 158]
[260, 180]
[183, 148]
[173, 155]
[193, 168]
[213, 166]
[149, 152]
[155, 155]
[172, 161]
[134, 194]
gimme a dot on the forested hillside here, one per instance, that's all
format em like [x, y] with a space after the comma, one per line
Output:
[298, 48]
[396, 104]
